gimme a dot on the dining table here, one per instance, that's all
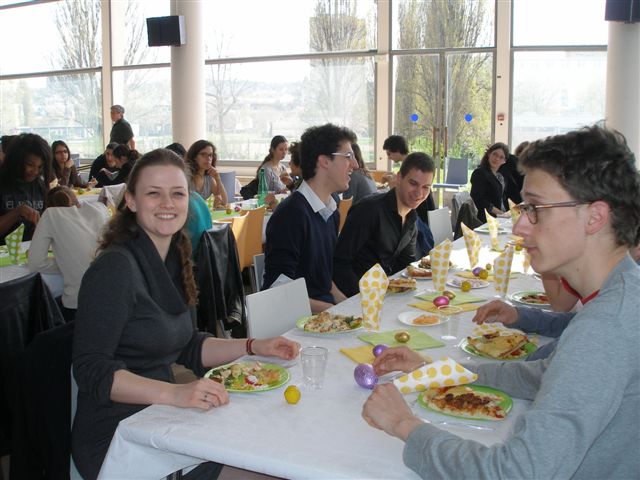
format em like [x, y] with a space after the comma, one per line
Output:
[9, 270]
[323, 435]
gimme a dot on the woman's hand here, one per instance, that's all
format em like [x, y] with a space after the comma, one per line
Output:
[68, 163]
[217, 201]
[286, 179]
[397, 358]
[276, 347]
[203, 393]
[386, 410]
[496, 311]
[29, 214]
[213, 172]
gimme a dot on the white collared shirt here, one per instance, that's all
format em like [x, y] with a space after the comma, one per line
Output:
[317, 205]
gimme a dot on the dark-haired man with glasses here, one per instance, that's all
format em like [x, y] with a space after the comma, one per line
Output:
[303, 230]
[581, 215]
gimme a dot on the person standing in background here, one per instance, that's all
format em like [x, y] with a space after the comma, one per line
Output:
[121, 132]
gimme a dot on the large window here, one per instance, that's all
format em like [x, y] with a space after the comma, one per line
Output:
[248, 103]
[251, 28]
[559, 67]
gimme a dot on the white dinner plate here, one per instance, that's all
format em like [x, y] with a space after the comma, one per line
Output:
[485, 229]
[408, 317]
[475, 282]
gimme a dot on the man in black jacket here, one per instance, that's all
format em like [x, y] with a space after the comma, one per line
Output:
[382, 228]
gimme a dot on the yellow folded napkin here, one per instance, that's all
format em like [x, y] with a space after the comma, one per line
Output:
[373, 286]
[473, 244]
[362, 354]
[440, 264]
[13, 241]
[502, 270]
[445, 372]
[431, 308]
[514, 215]
[494, 226]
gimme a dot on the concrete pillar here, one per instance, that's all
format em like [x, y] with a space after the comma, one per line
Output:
[188, 75]
[622, 105]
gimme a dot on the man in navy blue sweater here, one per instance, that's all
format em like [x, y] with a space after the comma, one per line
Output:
[303, 231]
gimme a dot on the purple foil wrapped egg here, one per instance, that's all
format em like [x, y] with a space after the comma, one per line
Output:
[441, 301]
[378, 349]
[365, 376]
[476, 271]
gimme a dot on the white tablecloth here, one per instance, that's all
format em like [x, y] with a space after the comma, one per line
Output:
[323, 436]
[54, 281]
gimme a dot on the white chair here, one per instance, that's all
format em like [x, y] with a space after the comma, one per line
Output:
[440, 224]
[257, 271]
[228, 180]
[274, 311]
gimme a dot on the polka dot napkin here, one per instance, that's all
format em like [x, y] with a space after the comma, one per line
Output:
[373, 286]
[440, 264]
[446, 372]
[502, 270]
[473, 244]
[13, 241]
[493, 225]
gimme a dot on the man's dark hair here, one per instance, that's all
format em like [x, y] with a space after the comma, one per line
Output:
[396, 143]
[177, 148]
[118, 109]
[418, 160]
[593, 164]
[294, 153]
[321, 140]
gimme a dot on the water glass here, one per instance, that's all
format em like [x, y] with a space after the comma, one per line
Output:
[314, 364]
[449, 325]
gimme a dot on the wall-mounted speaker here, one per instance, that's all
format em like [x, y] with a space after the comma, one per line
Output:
[622, 11]
[163, 31]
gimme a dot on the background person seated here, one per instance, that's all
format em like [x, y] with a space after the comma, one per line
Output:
[275, 173]
[71, 230]
[361, 184]
[106, 161]
[124, 159]
[488, 185]
[382, 228]
[23, 188]
[63, 167]
[201, 158]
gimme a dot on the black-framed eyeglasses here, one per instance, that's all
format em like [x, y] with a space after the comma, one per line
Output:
[348, 155]
[531, 210]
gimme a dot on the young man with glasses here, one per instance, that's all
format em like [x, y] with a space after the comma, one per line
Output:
[303, 230]
[585, 416]
[382, 228]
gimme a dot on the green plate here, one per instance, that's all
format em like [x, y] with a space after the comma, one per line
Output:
[485, 229]
[284, 378]
[303, 321]
[506, 403]
[529, 348]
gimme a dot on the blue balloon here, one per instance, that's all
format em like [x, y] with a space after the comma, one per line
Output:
[468, 117]
[414, 117]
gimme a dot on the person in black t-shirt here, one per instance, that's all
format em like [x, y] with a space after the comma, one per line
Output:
[121, 132]
[23, 188]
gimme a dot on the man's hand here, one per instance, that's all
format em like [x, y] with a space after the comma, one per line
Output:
[398, 358]
[496, 311]
[386, 410]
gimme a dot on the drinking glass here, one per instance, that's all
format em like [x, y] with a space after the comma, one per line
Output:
[314, 363]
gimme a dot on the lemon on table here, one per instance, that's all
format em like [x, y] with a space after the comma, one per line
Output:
[292, 394]
[465, 286]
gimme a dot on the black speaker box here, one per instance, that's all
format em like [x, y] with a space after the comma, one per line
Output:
[163, 31]
[622, 11]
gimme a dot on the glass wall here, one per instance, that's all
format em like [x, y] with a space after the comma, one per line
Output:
[294, 63]
[559, 67]
[443, 90]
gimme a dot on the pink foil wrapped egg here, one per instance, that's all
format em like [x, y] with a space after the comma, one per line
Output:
[365, 376]
[378, 349]
[441, 301]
